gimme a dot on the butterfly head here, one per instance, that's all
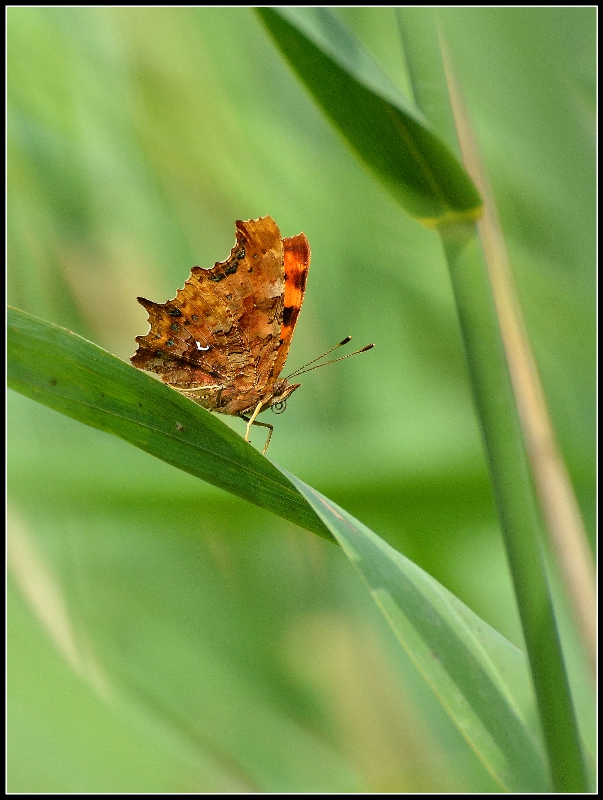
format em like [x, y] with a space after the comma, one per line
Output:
[280, 392]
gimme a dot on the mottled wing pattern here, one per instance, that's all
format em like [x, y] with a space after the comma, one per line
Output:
[227, 331]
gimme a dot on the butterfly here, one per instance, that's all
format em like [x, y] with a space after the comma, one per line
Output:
[224, 339]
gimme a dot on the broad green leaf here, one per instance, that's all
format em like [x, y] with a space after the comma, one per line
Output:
[391, 136]
[481, 679]
[81, 380]
[478, 676]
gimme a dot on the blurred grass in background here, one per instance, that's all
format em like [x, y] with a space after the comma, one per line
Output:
[199, 644]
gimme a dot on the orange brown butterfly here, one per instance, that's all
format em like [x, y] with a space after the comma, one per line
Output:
[224, 339]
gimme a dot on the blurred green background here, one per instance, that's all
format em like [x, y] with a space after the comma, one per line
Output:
[164, 636]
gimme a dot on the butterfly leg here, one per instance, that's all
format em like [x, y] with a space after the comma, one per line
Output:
[252, 421]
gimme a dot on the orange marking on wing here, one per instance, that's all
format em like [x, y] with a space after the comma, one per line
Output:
[296, 257]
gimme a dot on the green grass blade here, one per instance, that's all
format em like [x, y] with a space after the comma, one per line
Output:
[390, 136]
[81, 380]
[481, 679]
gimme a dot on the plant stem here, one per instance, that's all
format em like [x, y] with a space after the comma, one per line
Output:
[514, 495]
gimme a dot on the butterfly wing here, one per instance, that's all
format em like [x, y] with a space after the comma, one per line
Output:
[221, 336]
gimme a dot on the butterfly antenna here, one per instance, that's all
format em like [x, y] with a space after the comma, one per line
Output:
[304, 369]
[299, 369]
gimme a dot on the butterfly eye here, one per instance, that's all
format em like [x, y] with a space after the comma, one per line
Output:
[279, 407]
